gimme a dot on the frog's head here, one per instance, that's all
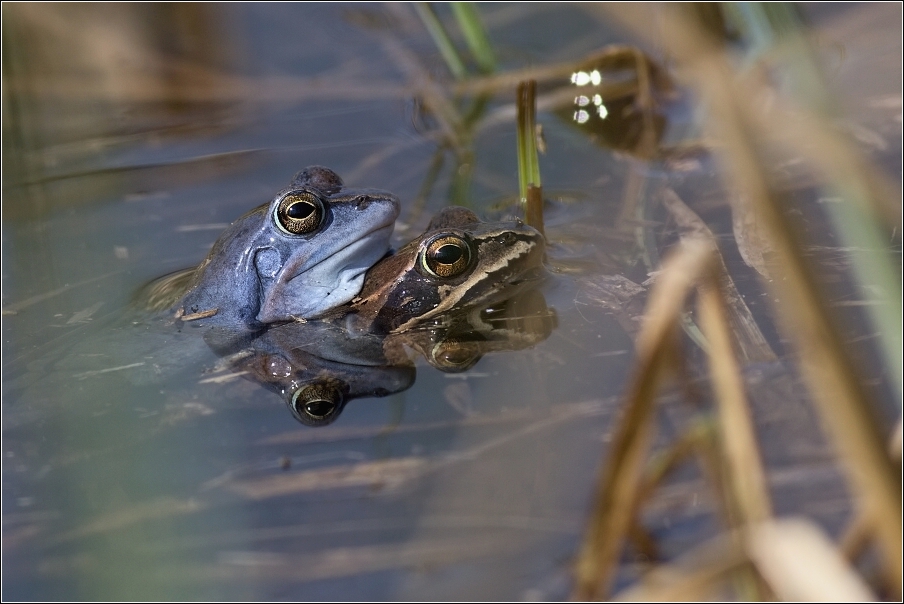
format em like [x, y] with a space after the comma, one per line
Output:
[300, 255]
[459, 262]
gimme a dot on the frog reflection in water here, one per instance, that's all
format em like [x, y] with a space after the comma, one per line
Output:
[296, 257]
[316, 367]
[459, 262]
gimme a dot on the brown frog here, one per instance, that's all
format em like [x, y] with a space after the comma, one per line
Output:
[458, 262]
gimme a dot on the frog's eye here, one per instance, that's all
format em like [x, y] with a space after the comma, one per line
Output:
[299, 213]
[317, 404]
[454, 356]
[446, 256]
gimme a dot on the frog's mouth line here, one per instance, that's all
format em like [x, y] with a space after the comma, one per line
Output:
[350, 250]
[333, 281]
[342, 249]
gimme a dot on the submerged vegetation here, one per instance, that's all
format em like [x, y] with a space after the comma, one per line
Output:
[732, 56]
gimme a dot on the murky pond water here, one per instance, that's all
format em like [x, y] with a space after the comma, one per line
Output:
[138, 464]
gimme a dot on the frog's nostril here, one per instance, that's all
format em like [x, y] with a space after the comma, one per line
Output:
[362, 201]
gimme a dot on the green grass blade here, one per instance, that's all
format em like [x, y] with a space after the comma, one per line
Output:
[441, 39]
[475, 35]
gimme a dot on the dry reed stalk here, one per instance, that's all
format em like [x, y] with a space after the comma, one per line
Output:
[838, 392]
[621, 478]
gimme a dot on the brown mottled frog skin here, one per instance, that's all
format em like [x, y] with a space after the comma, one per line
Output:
[458, 262]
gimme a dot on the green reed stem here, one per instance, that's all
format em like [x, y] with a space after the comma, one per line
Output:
[475, 35]
[522, 145]
[528, 163]
[530, 187]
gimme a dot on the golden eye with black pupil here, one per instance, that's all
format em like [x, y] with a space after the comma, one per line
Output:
[299, 213]
[453, 356]
[316, 402]
[446, 256]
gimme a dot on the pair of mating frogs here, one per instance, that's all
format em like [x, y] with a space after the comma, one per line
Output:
[319, 250]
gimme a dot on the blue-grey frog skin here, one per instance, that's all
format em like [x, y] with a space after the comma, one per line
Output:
[300, 255]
